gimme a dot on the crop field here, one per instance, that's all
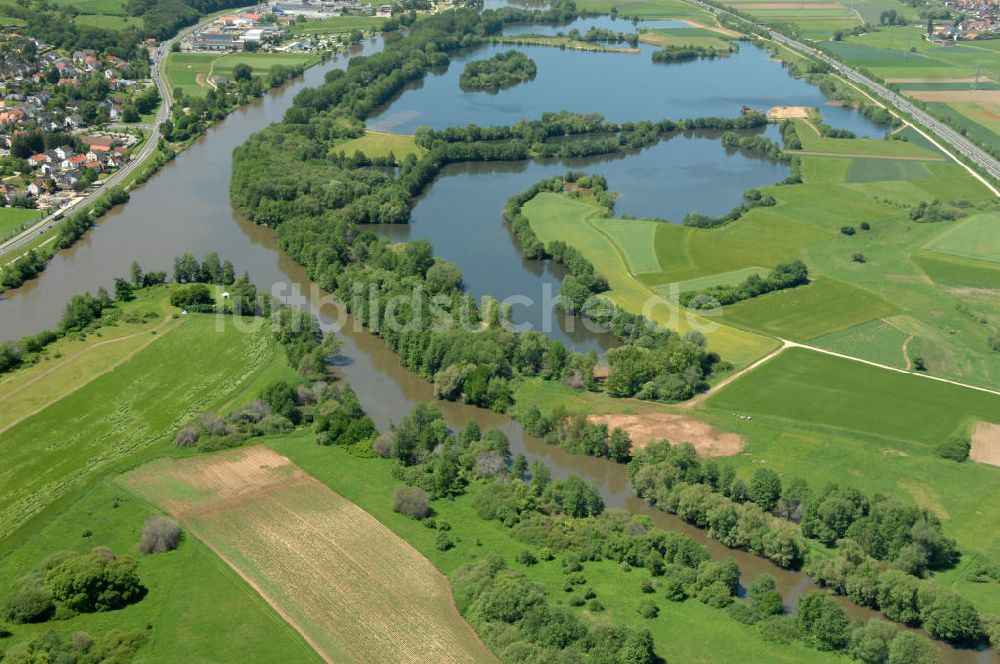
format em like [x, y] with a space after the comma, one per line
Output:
[355, 590]
[723, 279]
[337, 25]
[862, 147]
[197, 609]
[685, 632]
[676, 9]
[981, 120]
[808, 311]
[957, 271]
[123, 412]
[191, 72]
[977, 237]
[12, 219]
[557, 217]
[380, 144]
[636, 239]
[874, 170]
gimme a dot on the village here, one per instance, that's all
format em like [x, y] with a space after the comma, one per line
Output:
[270, 27]
[979, 19]
[59, 116]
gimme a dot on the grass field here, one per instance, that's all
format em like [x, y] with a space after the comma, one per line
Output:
[197, 609]
[875, 170]
[557, 217]
[12, 219]
[379, 144]
[337, 25]
[810, 311]
[121, 413]
[354, 589]
[683, 37]
[809, 387]
[684, 632]
[110, 22]
[677, 9]
[977, 237]
[191, 72]
[878, 340]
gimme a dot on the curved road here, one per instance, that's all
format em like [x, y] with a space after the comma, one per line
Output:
[158, 56]
[959, 143]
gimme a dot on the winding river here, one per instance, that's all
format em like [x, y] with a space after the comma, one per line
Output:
[185, 207]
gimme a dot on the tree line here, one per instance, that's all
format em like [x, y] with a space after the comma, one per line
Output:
[785, 275]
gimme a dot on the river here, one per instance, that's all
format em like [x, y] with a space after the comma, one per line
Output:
[185, 207]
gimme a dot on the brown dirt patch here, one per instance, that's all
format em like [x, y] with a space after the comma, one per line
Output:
[353, 589]
[714, 28]
[650, 427]
[986, 443]
[785, 112]
[974, 96]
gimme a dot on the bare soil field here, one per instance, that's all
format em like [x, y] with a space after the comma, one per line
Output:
[975, 96]
[986, 443]
[353, 589]
[644, 429]
[785, 112]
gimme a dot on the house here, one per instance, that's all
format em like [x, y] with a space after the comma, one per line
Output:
[37, 187]
[75, 120]
[94, 166]
[97, 152]
[384, 11]
[91, 141]
[36, 160]
[73, 163]
[64, 152]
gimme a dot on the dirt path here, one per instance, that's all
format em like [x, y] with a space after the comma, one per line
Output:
[906, 353]
[153, 336]
[812, 153]
[716, 28]
[699, 398]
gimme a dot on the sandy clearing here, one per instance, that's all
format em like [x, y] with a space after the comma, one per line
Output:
[975, 96]
[644, 429]
[986, 443]
[353, 589]
[714, 28]
[785, 112]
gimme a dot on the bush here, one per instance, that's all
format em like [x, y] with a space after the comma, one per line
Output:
[526, 557]
[594, 606]
[412, 501]
[648, 609]
[744, 613]
[955, 448]
[30, 605]
[443, 542]
[675, 590]
[91, 582]
[187, 437]
[159, 534]
[858, 257]
[847, 230]
[779, 629]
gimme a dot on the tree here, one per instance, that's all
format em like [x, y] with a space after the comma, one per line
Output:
[619, 446]
[123, 290]
[135, 272]
[823, 623]
[93, 582]
[765, 488]
[870, 643]
[280, 396]
[911, 648]
[159, 534]
[953, 618]
[411, 501]
[242, 72]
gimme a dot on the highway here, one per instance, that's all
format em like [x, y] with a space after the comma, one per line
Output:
[9, 248]
[959, 143]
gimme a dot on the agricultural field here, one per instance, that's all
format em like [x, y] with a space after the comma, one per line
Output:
[67, 438]
[977, 237]
[683, 632]
[191, 72]
[109, 22]
[197, 610]
[380, 144]
[337, 25]
[11, 219]
[648, 9]
[355, 590]
[684, 37]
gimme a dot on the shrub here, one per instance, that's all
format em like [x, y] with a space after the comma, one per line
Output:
[675, 590]
[159, 534]
[858, 257]
[865, 226]
[744, 613]
[526, 557]
[91, 582]
[648, 609]
[779, 629]
[847, 230]
[595, 607]
[187, 437]
[443, 542]
[412, 501]
[647, 586]
[213, 424]
[955, 448]
[716, 594]
[29, 605]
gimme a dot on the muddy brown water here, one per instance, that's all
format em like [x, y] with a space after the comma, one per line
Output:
[185, 207]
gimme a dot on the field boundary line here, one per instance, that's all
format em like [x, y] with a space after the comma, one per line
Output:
[698, 398]
[795, 344]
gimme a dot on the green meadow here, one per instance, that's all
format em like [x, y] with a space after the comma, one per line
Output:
[109, 22]
[647, 9]
[337, 25]
[191, 72]
[378, 144]
[684, 37]
[977, 237]
[11, 219]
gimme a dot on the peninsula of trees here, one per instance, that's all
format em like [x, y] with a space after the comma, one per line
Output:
[503, 70]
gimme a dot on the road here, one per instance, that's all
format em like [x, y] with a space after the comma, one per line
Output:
[9, 248]
[901, 104]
